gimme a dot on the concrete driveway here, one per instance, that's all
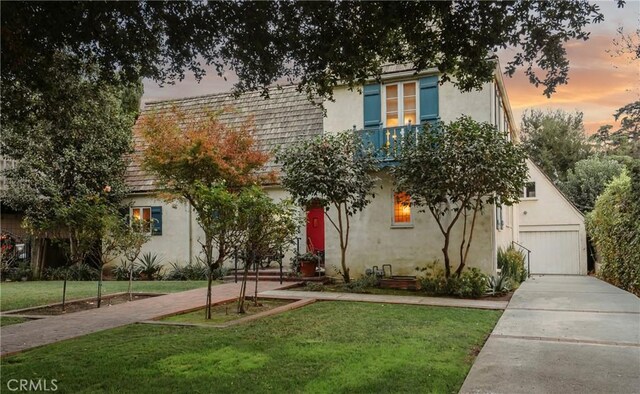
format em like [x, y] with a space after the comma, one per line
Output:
[562, 334]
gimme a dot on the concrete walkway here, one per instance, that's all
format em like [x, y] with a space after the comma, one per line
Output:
[18, 337]
[387, 299]
[562, 334]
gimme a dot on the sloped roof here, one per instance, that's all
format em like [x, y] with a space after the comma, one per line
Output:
[286, 116]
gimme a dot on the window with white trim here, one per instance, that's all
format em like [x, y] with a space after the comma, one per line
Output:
[401, 104]
[529, 190]
[141, 216]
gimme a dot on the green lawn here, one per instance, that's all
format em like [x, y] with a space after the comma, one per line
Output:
[18, 295]
[327, 347]
[7, 320]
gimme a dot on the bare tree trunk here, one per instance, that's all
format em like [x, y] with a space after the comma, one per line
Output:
[64, 291]
[464, 237]
[463, 261]
[243, 286]
[130, 289]
[445, 252]
[255, 292]
[100, 287]
[343, 247]
[210, 279]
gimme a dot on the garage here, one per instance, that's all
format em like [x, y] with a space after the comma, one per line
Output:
[551, 227]
[553, 252]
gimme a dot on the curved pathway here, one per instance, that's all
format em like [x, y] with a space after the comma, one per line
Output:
[562, 334]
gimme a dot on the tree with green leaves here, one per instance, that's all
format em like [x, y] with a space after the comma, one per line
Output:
[615, 230]
[555, 140]
[588, 179]
[266, 42]
[218, 217]
[268, 230]
[206, 163]
[131, 243]
[334, 171]
[69, 145]
[77, 227]
[117, 236]
[454, 170]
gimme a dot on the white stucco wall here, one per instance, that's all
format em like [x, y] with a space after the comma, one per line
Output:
[173, 244]
[373, 241]
[550, 211]
[180, 234]
[348, 108]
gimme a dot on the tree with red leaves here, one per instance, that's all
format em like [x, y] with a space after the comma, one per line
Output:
[207, 163]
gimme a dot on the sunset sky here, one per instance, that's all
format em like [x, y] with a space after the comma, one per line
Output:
[599, 83]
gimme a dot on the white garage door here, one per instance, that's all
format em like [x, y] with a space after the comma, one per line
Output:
[553, 252]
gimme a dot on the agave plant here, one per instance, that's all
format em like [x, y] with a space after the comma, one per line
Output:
[150, 265]
[498, 285]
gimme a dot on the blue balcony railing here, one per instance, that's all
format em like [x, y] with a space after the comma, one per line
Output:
[387, 142]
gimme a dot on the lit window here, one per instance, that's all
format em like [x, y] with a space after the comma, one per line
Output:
[529, 190]
[401, 104]
[401, 208]
[142, 216]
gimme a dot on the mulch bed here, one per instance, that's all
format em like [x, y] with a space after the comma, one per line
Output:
[83, 305]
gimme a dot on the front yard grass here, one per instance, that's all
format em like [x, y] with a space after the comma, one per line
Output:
[328, 347]
[8, 320]
[18, 295]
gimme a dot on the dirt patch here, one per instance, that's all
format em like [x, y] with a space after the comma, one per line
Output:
[83, 305]
[226, 312]
[505, 297]
[339, 288]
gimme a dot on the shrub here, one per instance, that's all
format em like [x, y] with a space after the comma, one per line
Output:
[472, 283]
[75, 272]
[312, 286]
[615, 230]
[361, 285]
[511, 264]
[498, 285]
[121, 272]
[150, 266]
[196, 270]
[17, 272]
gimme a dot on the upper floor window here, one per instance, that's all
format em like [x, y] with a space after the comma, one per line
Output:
[400, 104]
[529, 190]
[401, 209]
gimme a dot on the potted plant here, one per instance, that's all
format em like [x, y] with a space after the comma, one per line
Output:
[308, 263]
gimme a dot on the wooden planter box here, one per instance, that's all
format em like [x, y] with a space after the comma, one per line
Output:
[400, 282]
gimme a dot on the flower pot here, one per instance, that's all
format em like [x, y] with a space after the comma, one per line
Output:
[308, 268]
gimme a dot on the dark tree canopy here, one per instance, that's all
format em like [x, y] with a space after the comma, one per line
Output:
[316, 44]
[555, 140]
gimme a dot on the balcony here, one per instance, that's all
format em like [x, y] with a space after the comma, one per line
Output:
[387, 142]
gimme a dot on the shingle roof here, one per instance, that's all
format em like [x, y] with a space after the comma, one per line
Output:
[286, 116]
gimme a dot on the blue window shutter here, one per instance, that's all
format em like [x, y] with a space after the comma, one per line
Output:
[372, 106]
[156, 217]
[429, 108]
[125, 213]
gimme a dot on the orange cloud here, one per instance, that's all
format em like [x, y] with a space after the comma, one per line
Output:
[598, 83]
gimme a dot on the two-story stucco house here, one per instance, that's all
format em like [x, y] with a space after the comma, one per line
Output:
[386, 232]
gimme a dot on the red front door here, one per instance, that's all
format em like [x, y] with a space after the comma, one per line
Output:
[315, 228]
